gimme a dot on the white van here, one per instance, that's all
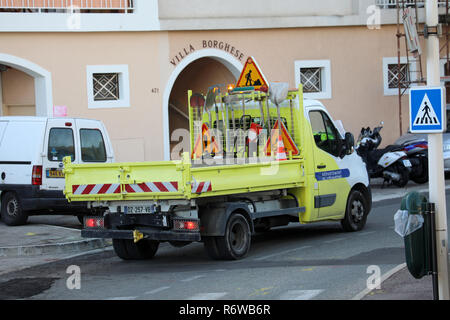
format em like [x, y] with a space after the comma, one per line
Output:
[31, 154]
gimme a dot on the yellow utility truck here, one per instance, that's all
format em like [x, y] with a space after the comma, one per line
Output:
[261, 156]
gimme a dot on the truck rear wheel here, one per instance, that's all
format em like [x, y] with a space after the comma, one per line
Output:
[235, 244]
[128, 250]
[12, 212]
[356, 212]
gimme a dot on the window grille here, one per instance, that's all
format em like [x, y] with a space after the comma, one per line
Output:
[396, 74]
[106, 86]
[311, 79]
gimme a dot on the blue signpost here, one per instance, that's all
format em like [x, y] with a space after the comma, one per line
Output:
[427, 110]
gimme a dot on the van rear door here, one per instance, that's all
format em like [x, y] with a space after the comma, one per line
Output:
[60, 142]
[94, 142]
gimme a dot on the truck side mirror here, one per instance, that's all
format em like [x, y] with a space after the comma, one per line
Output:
[349, 143]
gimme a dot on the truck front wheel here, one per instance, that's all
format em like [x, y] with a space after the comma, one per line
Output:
[235, 244]
[356, 212]
[128, 250]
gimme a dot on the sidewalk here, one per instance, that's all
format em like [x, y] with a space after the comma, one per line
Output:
[34, 244]
[44, 240]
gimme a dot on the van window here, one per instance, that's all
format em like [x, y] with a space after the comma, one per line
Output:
[61, 144]
[92, 146]
[325, 133]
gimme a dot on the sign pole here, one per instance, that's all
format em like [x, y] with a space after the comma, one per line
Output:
[436, 158]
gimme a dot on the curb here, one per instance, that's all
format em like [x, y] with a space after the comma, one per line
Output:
[384, 277]
[393, 197]
[57, 248]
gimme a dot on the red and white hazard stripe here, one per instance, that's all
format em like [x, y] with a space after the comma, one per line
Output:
[200, 187]
[96, 189]
[152, 187]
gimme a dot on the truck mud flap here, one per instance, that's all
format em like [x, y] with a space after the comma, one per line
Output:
[150, 234]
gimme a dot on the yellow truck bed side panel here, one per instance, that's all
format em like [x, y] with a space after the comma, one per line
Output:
[177, 179]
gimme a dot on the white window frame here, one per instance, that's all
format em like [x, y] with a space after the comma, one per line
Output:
[124, 86]
[325, 67]
[394, 60]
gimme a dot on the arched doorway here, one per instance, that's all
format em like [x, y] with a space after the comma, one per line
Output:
[197, 72]
[36, 85]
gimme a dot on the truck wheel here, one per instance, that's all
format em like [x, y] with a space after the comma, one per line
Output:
[11, 211]
[128, 250]
[356, 212]
[235, 244]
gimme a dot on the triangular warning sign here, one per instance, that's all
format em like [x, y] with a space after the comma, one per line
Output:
[251, 75]
[209, 145]
[426, 116]
[289, 144]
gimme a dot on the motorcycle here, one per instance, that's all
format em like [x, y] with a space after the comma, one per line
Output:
[391, 163]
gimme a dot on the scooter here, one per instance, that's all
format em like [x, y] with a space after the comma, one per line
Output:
[389, 163]
[417, 152]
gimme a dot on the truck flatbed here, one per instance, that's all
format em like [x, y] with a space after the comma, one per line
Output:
[179, 179]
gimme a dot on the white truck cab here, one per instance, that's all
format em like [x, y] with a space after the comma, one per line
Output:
[31, 167]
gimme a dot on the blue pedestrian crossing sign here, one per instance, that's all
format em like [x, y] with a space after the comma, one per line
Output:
[427, 110]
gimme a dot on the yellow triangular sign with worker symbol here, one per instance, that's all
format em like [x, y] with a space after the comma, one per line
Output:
[288, 142]
[251, 76]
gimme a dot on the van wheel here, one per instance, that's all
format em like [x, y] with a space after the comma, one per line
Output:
[11, 211]
[356, 212]
[235, 244]
[128, 250]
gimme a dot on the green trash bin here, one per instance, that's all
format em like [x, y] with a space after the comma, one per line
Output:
[418, 248]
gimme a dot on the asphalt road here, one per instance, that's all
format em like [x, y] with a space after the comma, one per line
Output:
[317, 261]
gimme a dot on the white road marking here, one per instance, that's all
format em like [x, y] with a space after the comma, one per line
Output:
[193, 278]
[365, 233]
[208, 296]
[157, 290]
[281, 253]
[122, 298]
[334, 240]
[300, 294]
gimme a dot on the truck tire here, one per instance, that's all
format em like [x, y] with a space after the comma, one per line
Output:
[128, 250]
[235, 244]
[356, 212]
[12, 212]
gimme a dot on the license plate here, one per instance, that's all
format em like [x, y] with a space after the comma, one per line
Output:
[55, 173]
[407, 163]
[139, 209]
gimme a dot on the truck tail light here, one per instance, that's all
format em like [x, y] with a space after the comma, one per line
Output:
[186, 225]
[94, 222]
[36, 176]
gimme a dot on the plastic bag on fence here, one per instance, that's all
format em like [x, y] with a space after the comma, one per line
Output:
[406, 223]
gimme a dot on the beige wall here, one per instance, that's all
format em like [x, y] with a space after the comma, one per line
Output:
[356, 56]
[66, 56]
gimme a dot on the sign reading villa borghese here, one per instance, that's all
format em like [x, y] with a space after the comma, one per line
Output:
[208, 44]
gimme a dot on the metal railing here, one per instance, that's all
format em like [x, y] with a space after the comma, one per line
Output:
[61, 6]
[392, 4]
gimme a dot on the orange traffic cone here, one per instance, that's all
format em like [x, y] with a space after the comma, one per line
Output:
[281, 152]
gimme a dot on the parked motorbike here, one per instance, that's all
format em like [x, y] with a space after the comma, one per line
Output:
[389, 163]
[417, 152]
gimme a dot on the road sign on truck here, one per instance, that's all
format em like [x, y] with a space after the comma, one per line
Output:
[221, 196]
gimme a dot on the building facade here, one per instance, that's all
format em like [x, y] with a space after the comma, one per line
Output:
[130, 63]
